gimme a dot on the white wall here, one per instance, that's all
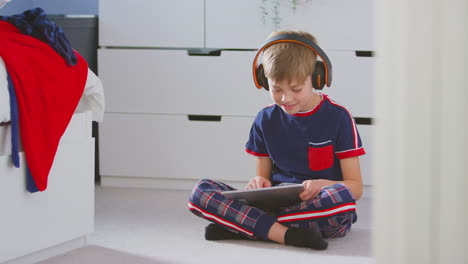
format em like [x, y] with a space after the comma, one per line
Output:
[421, 132]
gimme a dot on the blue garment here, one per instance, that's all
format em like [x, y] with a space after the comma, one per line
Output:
[14, 116]
[35, 23]
[305, 145]
[30, 183]
[333, 210]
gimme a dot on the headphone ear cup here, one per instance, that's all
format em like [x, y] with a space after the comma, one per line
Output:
[318, 76]
[261, 78]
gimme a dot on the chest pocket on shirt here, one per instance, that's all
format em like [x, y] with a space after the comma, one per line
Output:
[320, 155]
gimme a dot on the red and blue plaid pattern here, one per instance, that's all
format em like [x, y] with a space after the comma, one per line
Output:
[334, 211]
[206, 201]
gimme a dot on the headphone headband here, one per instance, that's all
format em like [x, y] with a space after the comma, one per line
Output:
[294, 38]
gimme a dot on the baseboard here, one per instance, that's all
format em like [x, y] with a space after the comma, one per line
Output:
[176, 184]
[50, 252]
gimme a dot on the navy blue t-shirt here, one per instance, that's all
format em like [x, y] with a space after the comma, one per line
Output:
[305, 145]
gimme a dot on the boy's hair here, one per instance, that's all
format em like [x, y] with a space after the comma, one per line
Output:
[286, 61]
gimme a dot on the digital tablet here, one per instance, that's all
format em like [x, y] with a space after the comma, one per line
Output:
[268, 198]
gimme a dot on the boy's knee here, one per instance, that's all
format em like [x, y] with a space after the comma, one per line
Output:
[339, 191]
[203, 186]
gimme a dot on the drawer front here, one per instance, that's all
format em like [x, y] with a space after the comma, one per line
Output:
[151, 23]
[171, 146]
[353, 82]
[337, 24]
[171, 81]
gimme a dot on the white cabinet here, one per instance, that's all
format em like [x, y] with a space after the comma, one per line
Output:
[151, 23]
[64, 211]
[337, 24]
[153, 85]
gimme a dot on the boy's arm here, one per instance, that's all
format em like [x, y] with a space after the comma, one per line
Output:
[263, 167]
[352, 178]
[351, 170]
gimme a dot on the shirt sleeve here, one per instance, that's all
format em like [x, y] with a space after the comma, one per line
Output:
[256, 143]
[349, 142]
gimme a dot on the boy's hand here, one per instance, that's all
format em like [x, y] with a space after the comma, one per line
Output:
[311, 189]
[258, 182]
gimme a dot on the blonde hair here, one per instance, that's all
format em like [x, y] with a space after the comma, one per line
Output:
[287, 61]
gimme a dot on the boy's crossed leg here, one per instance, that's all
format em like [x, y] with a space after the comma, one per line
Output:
[299, 226]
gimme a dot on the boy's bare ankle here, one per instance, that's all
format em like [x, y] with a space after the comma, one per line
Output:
[277, 232]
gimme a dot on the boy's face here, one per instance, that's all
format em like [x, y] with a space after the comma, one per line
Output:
[293, 97]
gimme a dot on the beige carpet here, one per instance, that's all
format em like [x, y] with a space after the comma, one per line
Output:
[155, 226]
[96, 254]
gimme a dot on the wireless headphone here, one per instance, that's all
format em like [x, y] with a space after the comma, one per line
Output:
[322, 71]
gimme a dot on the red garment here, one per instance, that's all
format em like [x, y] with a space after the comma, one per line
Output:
[47, 91]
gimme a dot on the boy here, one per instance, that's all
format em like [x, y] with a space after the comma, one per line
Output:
[303, 138]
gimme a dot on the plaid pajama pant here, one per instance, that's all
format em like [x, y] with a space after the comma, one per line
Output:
[333, 210]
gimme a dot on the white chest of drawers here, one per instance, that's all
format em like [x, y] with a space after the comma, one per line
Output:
[153, 85]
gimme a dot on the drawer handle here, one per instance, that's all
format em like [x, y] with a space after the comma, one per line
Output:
[210, 118]
[204, 52]
[364, 53]
[363, 120]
